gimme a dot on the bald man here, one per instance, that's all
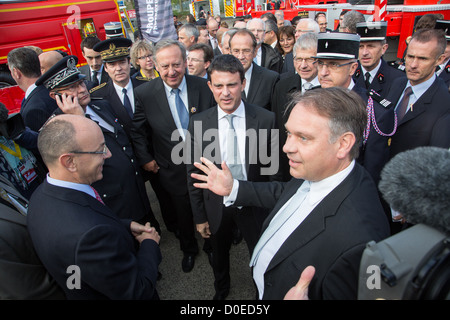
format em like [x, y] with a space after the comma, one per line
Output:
[87, 249]
[49, 59]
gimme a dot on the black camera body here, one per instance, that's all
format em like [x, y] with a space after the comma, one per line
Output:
[413, 264]
[12, 127]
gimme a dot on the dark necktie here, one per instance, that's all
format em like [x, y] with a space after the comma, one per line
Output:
[181, 109]
[94, 78]
[367, 82]
[403, 105]
[127, 103]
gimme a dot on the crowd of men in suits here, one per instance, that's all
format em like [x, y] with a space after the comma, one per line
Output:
[329, 124]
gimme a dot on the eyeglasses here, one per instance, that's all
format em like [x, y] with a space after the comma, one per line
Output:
[245, 52]
[332, 65]
[145, 57]
[306, 60]
[103, 152]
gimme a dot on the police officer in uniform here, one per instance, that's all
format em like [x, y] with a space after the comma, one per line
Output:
[122, 188]
[373, 71]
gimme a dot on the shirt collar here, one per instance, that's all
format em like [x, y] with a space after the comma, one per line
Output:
[29, 90]
[181, 86]
[239, 112]
[319, 189]
[374, 71]
[420, 88]
[71, 185]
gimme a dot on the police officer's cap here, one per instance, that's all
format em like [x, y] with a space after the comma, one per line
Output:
[114, 49]
[337, 45]
[63, 73]
[372, 31]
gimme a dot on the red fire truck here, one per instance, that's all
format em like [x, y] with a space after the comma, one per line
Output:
[401, 15]
[50, 25]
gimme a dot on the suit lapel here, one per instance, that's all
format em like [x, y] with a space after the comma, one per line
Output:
[254, 82]
[251, 149]
[314, 223]
[421, 104]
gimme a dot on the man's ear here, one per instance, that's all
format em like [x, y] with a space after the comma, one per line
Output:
[68, 162]
[346, 143]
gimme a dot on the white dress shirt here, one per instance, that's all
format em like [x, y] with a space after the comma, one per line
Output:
[318, 191]
[130, 93]
[248, 78]
[239, 127]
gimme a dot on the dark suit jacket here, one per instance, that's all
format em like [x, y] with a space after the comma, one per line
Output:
[288, 63]
[281, 97]
[37, 108]
[261, 87]
[70, 227]
[429, 122]
[22, 274]
[207, 206]
[382, 82]
[107, 92]
[153, 126]
[331, 238]
[271, 58]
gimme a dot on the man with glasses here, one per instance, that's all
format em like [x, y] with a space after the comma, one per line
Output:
[303, 26]
[266, 56]
[304, 79]
[259, 81]
[88, 250]
[199, 59]
[337, 61]
[122, 187]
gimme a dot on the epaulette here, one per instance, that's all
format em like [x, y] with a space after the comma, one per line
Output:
[98, 87]
[376, 96]
[397, 65]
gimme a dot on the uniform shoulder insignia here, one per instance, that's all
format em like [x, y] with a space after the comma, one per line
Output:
[376, 96]
[98, 87]
[397, 65]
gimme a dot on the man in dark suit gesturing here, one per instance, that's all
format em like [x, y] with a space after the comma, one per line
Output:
[88, 250]
[163, 108]
[213, 219]
[322, 217]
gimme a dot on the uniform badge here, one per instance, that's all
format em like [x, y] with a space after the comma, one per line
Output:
[380, 78]
[193, 110]
[357, 73]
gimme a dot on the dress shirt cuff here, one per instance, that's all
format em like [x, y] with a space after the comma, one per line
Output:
[231, 198]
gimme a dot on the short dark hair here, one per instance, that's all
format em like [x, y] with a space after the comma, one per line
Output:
[344, 108]
[89, 42]
[208, 53]
[26, 61]
[426, 35]
[226, 63]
